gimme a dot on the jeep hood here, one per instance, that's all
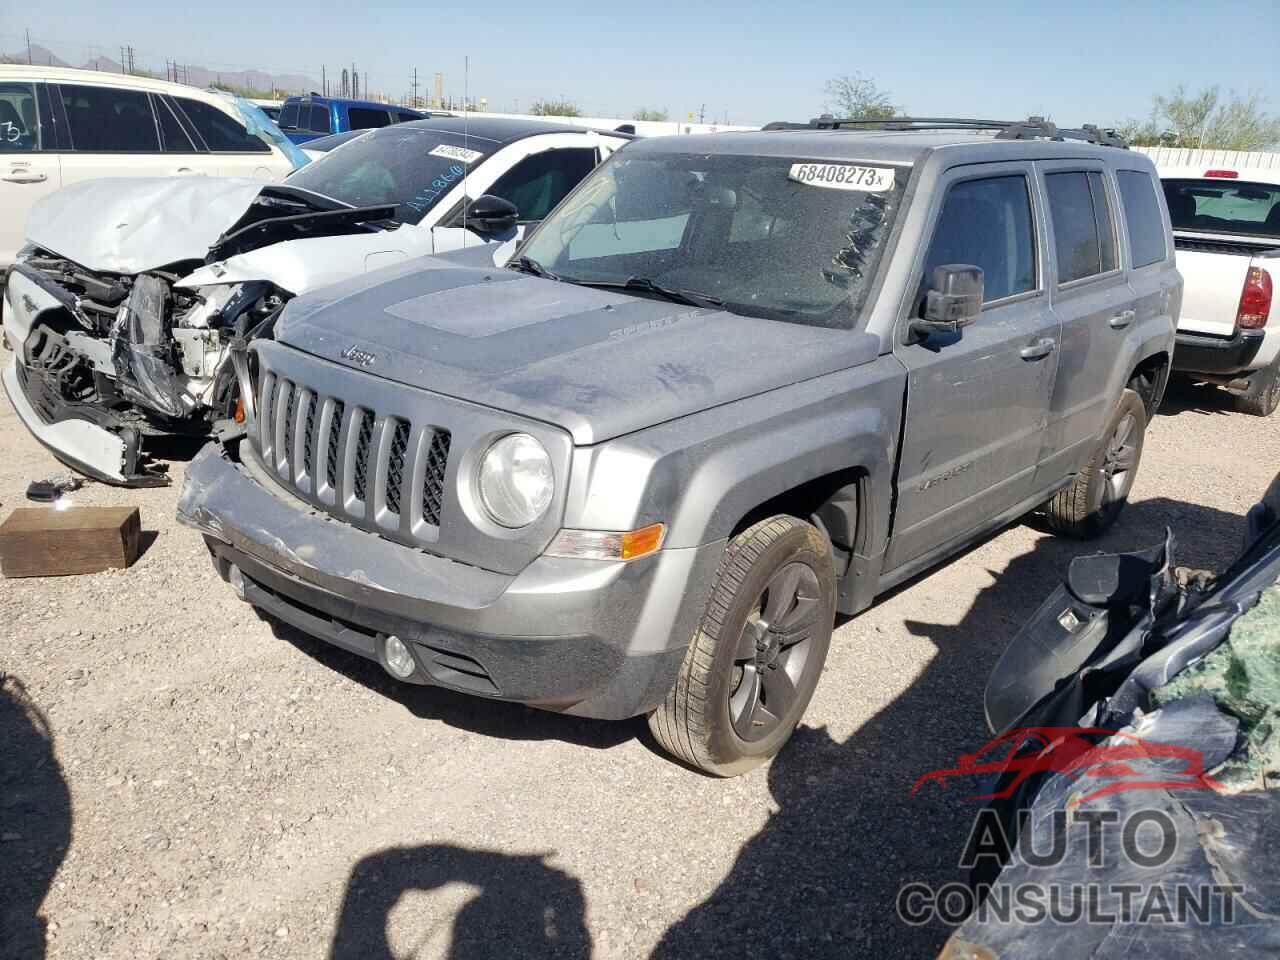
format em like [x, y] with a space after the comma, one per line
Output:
[131, 225]
[597, 363]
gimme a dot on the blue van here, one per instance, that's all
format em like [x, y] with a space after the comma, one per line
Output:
[305, 118]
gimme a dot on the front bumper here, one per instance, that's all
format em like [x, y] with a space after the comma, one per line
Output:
[105, 455]
[1200, 353]
[585, 637]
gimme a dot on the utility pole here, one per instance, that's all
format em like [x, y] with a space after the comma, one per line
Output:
[122, 61]
[28, 47]
[324, 81]
[415, 87]
[702, 112]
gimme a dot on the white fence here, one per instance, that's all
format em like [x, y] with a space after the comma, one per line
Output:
[645, 128]
[1165, 157]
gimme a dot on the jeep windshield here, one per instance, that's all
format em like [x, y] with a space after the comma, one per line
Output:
[397, 165]
[769, 237]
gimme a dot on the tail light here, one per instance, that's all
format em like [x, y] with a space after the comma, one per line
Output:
[1224, 174]
[1255, 300]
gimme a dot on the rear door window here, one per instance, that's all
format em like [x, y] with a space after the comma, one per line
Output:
[1083, 228]
[364, 118]
[19, 118]
[319, 120]
[540, 181]
[289, 116]
[109, 119]
[1142, 214]
[987, 223]
[222, 132]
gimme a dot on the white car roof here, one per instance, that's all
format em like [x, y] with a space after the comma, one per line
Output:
[20, 72]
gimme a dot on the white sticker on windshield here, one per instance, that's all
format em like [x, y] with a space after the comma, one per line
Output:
[842, 176]
[457, 153]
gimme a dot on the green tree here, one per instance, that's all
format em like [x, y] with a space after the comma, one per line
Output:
[646, 114]
[1205, 119]
[854, 95]
[555, 108]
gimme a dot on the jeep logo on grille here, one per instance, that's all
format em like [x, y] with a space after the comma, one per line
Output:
[361, 357]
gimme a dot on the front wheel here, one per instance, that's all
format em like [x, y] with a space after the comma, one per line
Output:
[1099, 492]
[758, 653]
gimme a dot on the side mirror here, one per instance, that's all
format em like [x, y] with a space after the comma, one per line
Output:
[952, 301]
[489, 215]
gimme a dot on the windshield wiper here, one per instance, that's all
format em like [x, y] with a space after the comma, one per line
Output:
[529, 265]
[690, 298]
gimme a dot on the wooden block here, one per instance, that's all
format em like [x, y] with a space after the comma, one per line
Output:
[43, 542]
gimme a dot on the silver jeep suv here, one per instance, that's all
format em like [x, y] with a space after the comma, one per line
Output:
[732, 385]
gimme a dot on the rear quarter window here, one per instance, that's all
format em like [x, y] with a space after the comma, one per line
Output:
[222, 132]
[1142, 214]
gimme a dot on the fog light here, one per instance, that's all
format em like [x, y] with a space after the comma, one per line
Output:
[236, 579]
[399, 660]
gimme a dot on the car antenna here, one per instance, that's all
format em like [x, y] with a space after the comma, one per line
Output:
[466, 144]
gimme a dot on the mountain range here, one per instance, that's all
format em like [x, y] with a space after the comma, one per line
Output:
[193, 74]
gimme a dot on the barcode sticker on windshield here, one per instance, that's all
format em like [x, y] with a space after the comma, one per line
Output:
[842, 176]
[457, 153]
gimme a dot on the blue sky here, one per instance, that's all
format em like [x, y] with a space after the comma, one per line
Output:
[1077, 62]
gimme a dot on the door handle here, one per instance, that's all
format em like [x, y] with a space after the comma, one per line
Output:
[1041, 348]
[20, 176]
[1122, 319]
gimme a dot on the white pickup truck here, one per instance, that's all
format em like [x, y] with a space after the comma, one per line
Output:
[1226, 229]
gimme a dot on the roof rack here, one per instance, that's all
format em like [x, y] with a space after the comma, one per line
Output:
[1033, 128]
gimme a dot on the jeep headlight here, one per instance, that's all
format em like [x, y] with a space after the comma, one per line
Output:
[515, 480]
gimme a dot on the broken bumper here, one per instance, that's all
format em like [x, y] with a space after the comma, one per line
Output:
[585, 637]
[80, 444]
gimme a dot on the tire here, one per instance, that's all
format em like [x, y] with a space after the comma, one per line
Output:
[1263, 395]
[1093, 501]
[716, 716]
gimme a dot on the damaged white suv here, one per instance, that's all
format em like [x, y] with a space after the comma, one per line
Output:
[125, 306]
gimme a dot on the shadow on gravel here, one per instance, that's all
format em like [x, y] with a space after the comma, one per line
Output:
[821, 879]
[524, 908]
[35, 821]
[1184, 396]
[490, 718]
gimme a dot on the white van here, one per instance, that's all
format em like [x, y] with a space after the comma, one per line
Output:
[61, 126]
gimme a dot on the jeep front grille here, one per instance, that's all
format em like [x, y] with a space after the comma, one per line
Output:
[373, 468]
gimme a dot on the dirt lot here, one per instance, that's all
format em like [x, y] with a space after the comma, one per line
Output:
[218, 788]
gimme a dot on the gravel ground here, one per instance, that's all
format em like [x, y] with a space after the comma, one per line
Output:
[219, 788]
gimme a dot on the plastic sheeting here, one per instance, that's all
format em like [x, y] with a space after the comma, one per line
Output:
[142, 349]
[1243, 677]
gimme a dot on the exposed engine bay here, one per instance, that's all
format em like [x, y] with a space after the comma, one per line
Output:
[141, 344]
[137, 355]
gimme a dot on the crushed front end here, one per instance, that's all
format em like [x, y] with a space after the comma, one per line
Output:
[103, 361]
